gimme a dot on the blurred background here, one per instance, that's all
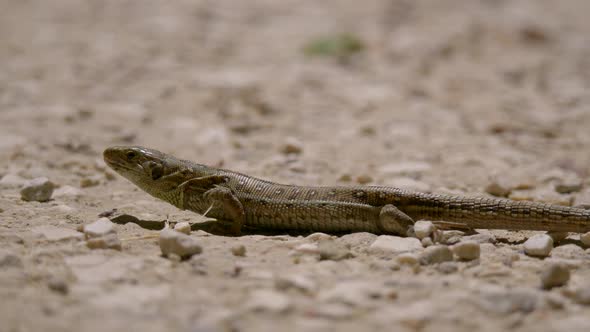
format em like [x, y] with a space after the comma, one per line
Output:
[445, 92]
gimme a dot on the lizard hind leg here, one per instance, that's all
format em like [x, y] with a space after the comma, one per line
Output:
[392, 220]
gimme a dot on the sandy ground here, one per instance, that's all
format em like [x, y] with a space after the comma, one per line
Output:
[443, 96]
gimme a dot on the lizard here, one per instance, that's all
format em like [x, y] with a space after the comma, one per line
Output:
[239, 199]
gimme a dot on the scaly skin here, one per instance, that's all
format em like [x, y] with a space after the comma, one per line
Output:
[241, 199]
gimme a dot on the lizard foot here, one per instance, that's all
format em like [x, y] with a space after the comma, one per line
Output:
[224, 197]
[392, 220]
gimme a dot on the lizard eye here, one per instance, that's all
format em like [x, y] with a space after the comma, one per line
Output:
[130, 155]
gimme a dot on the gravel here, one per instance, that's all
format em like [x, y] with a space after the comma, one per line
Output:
[173, 242]
[554, 275]
[394, 244]
[423, 229]
[436, 254]
[466, 250]
[39, 190]
[101, 227]
[539, 245]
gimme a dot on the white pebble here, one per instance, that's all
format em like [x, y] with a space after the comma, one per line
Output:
[585, 238]
[108, 241]
[39, 190]
[427, 242]
[554, 275]
[539, 245]
[408, 259]
[238, 250]
[436, 254]
[307, 248]
[101, 227]
[467, 250]
[183, 227]
[394, 244]
[173, 242]
[423, 228]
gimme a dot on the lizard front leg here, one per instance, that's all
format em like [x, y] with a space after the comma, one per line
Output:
[231, 205]
[392, 220]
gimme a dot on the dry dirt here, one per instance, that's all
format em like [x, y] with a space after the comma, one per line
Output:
[445, 96]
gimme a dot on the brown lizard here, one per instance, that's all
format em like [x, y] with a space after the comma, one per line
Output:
[244, 200]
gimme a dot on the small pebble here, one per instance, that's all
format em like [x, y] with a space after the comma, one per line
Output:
[90, 181]
[108, 241]
[332, 250]
[448, 237]
[173, 242]
[436, 254]
[539, 245]
[447, 267]
[423, 229]
[183, 227]
[585, 238]
[292, 145]
[101, 227]
[580, 296]
[318, 236]
[408, 259]
[466, 250]
[39, 190]
[497, 189]
[238, 250]
[307, 248]
[427, 242]
[58, 285]
[568, 188]
[394, 244]
[364, 179]
[554, 275]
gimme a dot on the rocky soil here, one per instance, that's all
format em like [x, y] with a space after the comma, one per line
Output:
[467, 97]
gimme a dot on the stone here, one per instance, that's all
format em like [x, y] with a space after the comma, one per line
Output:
[408, 259]
[12, 181]
[332, 250]
[539, 245]
[394, 244]
[101, 227]
[292, 146]
[9, 259]
[568, 188]
[271, 301]
[39, 190]
[58, 285]
[436, 254]
[238, 250]
[447, 267]
[498, 189]
[53, 233]
[585, 238]
[448, 237]
[554, 275]
[108, 241]
[423, 228]
[364, 179]
[568, 251]
[90, 181]
[427, 242]
[183, 227]
[466, 250]
[173, 242]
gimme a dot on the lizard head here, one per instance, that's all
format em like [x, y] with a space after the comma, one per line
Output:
[153, 171]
